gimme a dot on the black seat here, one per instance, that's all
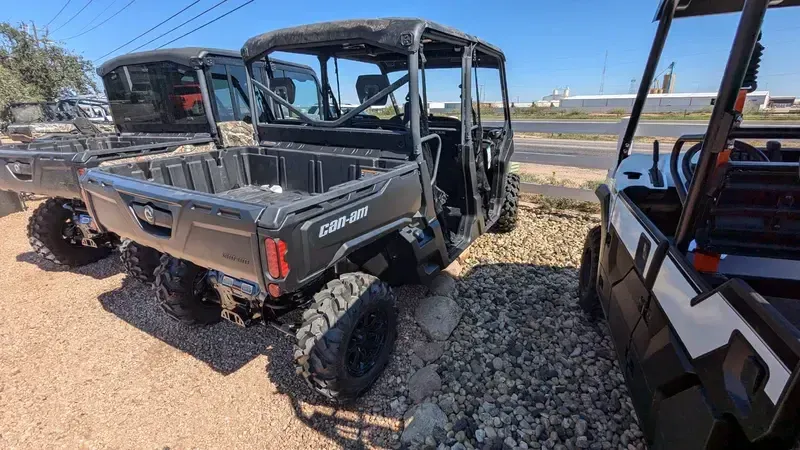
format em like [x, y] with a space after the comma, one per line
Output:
[755, 212]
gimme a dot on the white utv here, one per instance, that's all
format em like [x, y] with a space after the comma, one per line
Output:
[696, 265]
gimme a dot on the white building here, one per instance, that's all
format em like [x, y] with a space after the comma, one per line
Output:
[553, 100]
[656, 102]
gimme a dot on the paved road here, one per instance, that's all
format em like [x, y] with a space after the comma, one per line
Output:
[566, 152]
[646, 128]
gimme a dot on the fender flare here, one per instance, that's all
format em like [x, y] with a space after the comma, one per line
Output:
[603, 193]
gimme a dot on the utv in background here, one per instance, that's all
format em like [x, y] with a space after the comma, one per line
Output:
[695, 264]
[163, 101]
[331, 207]
[44, 120]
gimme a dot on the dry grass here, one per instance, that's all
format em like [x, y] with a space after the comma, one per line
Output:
[566, 176]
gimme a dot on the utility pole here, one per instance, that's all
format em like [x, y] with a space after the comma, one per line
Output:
[35, 35]
[603, 78]
[632, 88]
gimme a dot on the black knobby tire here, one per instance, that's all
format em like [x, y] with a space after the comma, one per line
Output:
[588, 299]
[140, 262]
[331, 338]
[46, 236]
[182, 292]
[508, 213]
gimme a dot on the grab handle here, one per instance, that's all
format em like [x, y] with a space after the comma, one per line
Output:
[438, 154]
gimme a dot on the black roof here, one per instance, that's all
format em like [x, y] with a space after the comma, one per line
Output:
[692, 8]
[401, 35]
[183, 55]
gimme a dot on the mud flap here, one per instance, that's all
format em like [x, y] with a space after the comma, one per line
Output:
[10, 202]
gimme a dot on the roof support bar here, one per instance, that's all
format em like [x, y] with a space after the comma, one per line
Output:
[723, 118]
[413, 101]
[664, 24]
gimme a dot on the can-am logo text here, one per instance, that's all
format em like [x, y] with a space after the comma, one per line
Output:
[341, 222]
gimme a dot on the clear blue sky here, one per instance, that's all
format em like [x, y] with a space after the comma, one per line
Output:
[548, 44]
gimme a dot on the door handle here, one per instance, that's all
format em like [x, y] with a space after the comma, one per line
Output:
[642, 253]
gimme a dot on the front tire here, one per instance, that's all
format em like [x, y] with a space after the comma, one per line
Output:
[588, 299]
[347, 336]
[140, 262]
[183, 293]
[53, 235]
[510, 210]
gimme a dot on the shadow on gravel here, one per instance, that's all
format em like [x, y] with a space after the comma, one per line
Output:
[226, 348]
[99, 270]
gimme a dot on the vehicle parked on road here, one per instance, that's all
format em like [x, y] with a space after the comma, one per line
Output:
[332, 207]
[695, 264]
[172, 101]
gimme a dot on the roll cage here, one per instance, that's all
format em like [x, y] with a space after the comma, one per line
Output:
[393, 45]
[725, 121]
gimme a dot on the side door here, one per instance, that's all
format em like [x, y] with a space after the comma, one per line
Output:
[493, 137]
[706, 368]
[630, 243]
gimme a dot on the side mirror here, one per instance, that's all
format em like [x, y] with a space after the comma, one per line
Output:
[368, 86]
[284, 87]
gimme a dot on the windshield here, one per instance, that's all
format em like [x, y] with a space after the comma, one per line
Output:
[306, 96]
[155, 93]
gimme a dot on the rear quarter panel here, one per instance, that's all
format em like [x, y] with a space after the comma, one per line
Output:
[320, 236]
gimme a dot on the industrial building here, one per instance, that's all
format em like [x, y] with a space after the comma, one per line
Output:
[553, 100]
[656, 103]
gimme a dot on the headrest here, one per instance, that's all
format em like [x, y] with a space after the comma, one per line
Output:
[367, 86]
[284, 87]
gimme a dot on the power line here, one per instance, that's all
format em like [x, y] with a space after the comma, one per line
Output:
[58, 13]
[207, 23]
[104, 21]
[73, 16]
[175, 28]
[98, 16]
[152, 28]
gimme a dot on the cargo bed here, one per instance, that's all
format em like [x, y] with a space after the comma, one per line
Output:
[50, 166]
[215, 208]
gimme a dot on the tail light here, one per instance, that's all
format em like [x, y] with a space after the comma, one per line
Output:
[276, 258]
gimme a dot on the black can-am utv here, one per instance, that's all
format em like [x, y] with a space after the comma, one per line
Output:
[695, 264]
[331, 206]
[163, 101]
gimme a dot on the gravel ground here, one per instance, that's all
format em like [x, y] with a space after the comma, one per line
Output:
[89, 361]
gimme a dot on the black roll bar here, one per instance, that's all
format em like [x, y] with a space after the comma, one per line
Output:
[723, 117]
[664, 23]
[673, 163]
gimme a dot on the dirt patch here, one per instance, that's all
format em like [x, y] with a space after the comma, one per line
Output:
[90, 361]
[566, 176]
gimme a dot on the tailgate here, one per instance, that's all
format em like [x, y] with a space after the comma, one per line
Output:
[208, 230]
[50, 167]
[40, 172]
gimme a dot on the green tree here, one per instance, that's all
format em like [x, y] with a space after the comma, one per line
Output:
[35, 70]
